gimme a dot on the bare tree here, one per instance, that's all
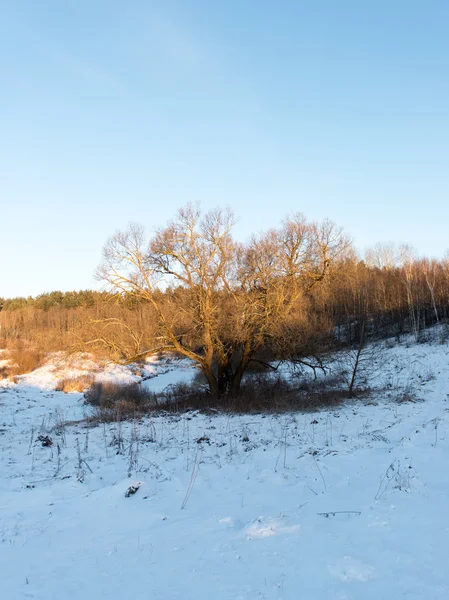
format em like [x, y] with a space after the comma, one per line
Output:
[217, 301]
[383, 256]
[430, 270]
[408, 265]
[360, 361]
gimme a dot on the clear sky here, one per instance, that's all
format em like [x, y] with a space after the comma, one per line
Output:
[112, 112]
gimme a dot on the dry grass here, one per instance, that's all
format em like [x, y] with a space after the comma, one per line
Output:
[407, 396]
[75, 384]
[259, 394]
[118, 400]
[23, 360]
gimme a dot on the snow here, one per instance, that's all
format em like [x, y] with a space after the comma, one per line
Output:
[170, 373]
[347, 503]
[155, 374]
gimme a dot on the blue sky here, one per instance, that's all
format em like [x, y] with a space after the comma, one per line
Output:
[113, 112]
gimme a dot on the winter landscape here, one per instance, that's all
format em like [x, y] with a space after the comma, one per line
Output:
[224, 300]
[348, 502]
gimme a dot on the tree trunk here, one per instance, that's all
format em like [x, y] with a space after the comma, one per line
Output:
[240, 371]
[356, 363]
[211, 380]
[225, 379]
[228, 380]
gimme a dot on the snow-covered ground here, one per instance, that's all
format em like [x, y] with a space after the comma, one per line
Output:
[348, 503]
[156, 374]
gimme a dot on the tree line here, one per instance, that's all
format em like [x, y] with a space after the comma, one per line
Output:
[57, 299]
[293, 292]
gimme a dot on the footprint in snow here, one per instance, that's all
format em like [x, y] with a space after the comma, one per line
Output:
[268, 527]
[352, 569]
[232, 523]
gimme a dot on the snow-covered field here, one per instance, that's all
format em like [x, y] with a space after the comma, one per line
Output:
[349, 503]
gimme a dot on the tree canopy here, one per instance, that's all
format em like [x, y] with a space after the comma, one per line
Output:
[223, 300]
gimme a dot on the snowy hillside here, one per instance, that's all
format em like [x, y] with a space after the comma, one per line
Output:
[346, 504]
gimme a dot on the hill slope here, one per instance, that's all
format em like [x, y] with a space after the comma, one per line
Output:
[349, 503]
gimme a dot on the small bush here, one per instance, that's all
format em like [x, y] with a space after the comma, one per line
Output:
[261, 393]
[24, 361]
[75, 384]
[406, 396]
[119, 399]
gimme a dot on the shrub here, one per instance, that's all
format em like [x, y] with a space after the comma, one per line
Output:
[406, 396]
[23, 361]
[75, 384]
[261, 393]
[119, 399]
